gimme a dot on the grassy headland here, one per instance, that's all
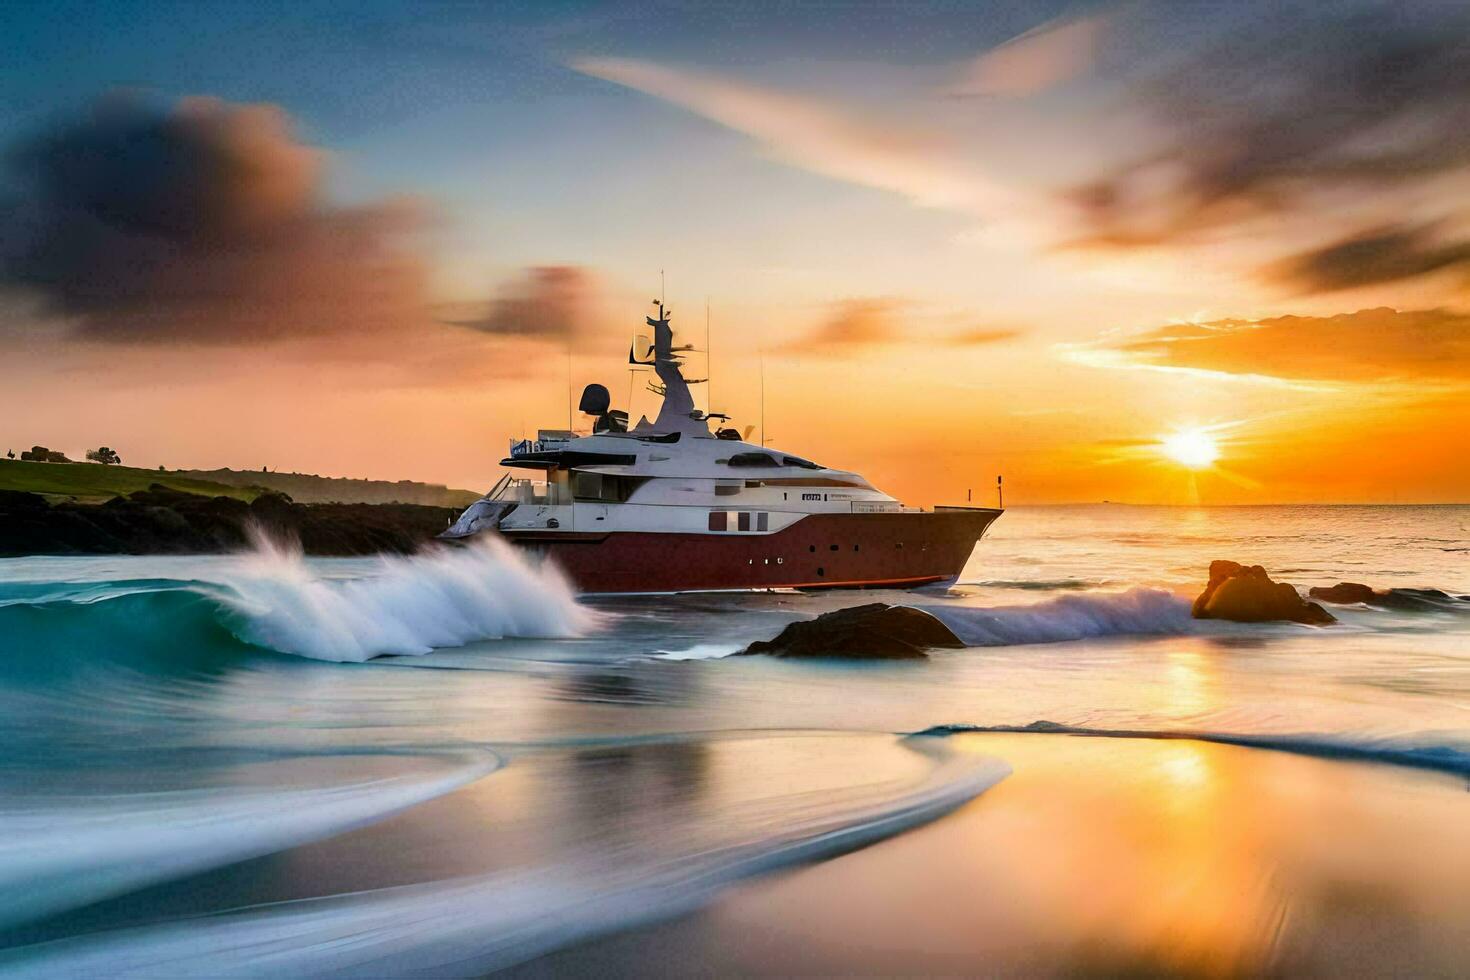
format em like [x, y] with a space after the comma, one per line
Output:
[308, 488]
[93, 482]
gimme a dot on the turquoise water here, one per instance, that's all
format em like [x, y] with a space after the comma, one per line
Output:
[449, 764]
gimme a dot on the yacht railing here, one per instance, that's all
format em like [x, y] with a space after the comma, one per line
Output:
[883, 507]
[546, 441]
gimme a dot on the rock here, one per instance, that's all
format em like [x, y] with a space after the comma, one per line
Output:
[161, 520]
[1350, 593]
[1343, 593]
[875, 631]
[1220, 570]
[1246, 594]
[21, 501]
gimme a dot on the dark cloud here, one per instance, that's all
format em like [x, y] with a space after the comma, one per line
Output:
[200, 222]
[856, 323]
[1273, 116]
[1369, 345]
[554, 302]
[1377, 255]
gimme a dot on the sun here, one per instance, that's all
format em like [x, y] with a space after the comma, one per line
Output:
[1194, 448]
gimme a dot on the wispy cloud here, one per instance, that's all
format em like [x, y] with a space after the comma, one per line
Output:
[1373, 255]
[1042, 58]
[818, 135]
[1369, 346]
[1301, 116]
[857, 324]
[555, 302]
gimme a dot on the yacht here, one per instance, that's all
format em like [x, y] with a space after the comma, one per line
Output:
[671, 505]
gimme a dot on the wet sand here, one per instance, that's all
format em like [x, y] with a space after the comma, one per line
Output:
[1110, 857]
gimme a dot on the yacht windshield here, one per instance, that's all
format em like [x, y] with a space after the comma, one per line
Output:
[752, 459]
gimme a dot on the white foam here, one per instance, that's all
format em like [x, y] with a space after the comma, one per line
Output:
[63, 852]
[475, 925]
[701, 651]
[1138, 611]
[441, 597]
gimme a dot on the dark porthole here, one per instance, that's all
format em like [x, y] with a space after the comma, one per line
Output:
[821, 572]
[854, 547]
[834, 547]
[812, 548]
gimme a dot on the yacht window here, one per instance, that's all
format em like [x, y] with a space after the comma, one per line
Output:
[587, 486]
[717, 520]
[763, 522]
[604, 487]
[744, 521]
[805, 464]
[752, 459]
[725, 490]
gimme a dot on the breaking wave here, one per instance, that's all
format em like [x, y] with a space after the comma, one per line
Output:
[442, 597]
[63, 852]
[1137, 612]
[1435, 757]
[272, 599]
[1040, 585]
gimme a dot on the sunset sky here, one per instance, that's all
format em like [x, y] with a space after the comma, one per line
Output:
[1068, 243]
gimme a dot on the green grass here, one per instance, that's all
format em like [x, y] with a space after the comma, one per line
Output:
[91, 482]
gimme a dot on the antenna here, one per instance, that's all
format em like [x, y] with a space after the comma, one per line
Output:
[1000, 500]
[763, 399]
[709, 391]
[569, 386]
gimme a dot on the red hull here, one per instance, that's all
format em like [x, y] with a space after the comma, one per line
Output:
[820, 551]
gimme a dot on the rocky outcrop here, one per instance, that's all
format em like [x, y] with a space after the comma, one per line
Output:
[875, 631]
[160, 520]
[1246, 594]
[1412, 600]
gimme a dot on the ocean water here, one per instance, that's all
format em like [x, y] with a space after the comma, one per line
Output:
[449, 764]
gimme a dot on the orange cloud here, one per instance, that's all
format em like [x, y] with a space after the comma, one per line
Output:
[859, 323]
[1366, 346]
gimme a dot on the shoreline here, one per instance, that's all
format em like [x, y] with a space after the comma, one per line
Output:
[1109, 857]
[163, 521]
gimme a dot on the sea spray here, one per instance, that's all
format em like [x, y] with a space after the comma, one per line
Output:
[1137, 612]
[440, 597]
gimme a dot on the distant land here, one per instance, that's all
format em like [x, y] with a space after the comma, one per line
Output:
[94, 482]
[306, 488]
